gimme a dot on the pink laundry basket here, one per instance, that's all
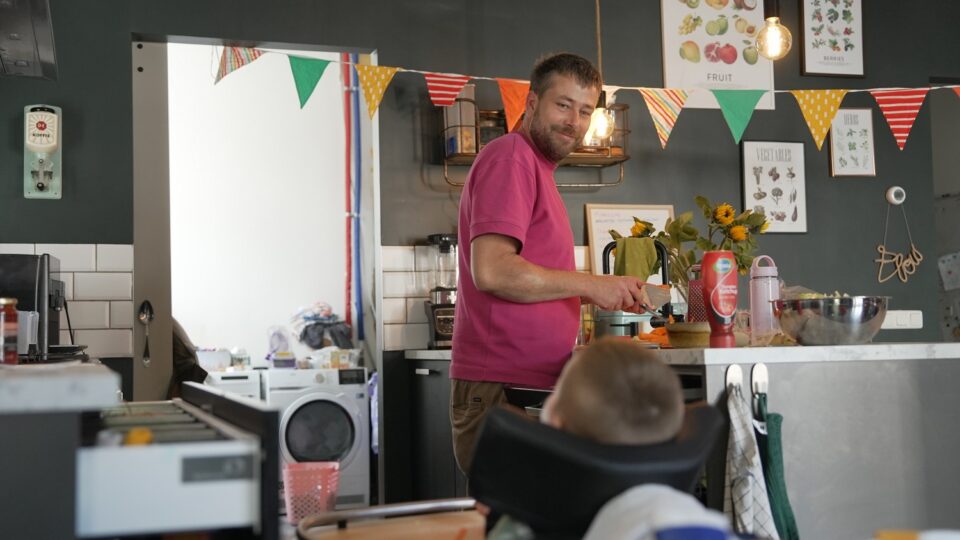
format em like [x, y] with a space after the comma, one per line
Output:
[310, 488]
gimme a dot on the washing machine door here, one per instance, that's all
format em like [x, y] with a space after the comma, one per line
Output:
[321, 426]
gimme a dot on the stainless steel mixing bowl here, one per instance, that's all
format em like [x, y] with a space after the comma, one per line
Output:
[832, 320]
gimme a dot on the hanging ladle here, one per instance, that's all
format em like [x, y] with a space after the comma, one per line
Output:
[145, 315]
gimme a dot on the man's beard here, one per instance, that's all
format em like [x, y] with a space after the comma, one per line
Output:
[548, 140]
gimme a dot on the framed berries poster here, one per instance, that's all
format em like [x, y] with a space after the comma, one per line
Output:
[711, 44]
[832, 37]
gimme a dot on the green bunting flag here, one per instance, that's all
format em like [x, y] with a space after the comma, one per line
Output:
[306, 75]
[737, 107]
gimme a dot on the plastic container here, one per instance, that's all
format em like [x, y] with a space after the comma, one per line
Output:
[310, 488]
[720, 296]
[764, 289]
[8, 330]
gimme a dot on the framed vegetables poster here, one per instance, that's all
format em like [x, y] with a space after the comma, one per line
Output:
[832, 37]
[619, 217]
[851, 143]
[773, 184]
[709, 44]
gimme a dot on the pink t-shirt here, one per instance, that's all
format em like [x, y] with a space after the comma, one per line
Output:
[510, 191]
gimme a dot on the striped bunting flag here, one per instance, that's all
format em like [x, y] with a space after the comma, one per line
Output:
[665, 105]
[444, 87]
[234, 58]
[900, 108]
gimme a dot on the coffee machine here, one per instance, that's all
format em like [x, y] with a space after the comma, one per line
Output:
[28, 278]
[443, 293]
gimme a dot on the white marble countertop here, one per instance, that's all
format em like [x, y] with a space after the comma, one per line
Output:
[799, 354]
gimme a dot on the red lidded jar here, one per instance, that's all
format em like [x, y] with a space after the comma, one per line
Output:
[8, 330]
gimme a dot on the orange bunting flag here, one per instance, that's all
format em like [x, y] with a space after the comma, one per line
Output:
[444, 88]
[234, 58]
[374, 81]
[900, 108]
[957, 90]
[514, 96]
[818, 108]
[665, 105]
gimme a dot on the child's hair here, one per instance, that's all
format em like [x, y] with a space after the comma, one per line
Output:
[617, 392]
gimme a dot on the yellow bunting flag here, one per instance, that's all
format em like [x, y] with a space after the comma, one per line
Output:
[234, 58]
[374, 81]
[514, 95]
[665, 105]
[818, 108]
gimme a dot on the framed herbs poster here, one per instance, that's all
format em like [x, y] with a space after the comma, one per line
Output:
[710, 44]
[773, 184]
[832, 37]
[851, 143]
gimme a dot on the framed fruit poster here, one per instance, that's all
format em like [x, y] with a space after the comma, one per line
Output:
[832, 37]
[774, 184]
[710, 44]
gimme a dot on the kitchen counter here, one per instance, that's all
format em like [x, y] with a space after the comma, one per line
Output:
[432, 354]
[869, 432]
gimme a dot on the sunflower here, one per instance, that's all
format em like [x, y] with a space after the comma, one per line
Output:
[764, 227]
[738, 233]
[638, 229]
[724, 214]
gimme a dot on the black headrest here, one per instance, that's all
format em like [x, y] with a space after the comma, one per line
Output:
[556, 481]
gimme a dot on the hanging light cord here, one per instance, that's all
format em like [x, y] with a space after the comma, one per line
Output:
[599, 45]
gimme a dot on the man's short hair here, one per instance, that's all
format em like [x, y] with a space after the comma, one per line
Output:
[617, 392]
[568, 64]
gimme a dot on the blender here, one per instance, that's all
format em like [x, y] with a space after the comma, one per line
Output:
[443, 294]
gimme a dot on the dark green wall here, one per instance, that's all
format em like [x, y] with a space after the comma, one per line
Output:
[904, 47]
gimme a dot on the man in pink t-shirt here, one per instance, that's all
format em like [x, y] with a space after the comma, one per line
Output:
[519, 294]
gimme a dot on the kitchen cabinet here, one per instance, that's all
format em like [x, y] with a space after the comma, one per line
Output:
[435, 471]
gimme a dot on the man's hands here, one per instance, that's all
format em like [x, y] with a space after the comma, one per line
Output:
[619, 293]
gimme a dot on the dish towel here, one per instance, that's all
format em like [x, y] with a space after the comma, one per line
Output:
[635, 257]
[770, 442]
[745, 492]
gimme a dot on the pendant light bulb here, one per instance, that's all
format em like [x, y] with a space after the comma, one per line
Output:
[602, 122]
[774, 39]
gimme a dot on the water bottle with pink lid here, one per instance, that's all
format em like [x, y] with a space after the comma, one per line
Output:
[764, 289]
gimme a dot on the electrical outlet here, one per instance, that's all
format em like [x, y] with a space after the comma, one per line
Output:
[902, 319]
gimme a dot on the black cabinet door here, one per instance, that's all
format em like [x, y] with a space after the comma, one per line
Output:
[435, 472]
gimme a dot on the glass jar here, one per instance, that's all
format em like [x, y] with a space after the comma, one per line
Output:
[8, 330]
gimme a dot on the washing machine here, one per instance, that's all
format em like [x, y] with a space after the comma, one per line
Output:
[325, 416]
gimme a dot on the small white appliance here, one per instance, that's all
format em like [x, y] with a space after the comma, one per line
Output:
[245, 383]
[325, 416]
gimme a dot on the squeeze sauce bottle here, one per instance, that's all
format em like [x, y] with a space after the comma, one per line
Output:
[764, 289]
[720, 296]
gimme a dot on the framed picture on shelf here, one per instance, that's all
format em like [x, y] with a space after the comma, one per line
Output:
[851, 143]
[773, 184]
[832, 36]
[601, 218]
[709, 44]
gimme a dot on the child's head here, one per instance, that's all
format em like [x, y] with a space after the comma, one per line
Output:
[616, 392]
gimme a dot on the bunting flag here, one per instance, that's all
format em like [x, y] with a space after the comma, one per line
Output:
[374, 81]
[444, 87]
[818, 108]
[306, 74]
[737, 107]
[665, 105]
[514, 96]
[957, 90]
[900, 108]
[234, 58]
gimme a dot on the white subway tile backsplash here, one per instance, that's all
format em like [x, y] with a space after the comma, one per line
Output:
[121, 314]
[17, 249]
[416, 311]
[399, 337]
[86, 315]
[405, 284]
[67, 280]
[102, 343]
[581, 256]
[72, 257]
[394, 310]
[397, 258]
[103, 286]
[114, 257]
